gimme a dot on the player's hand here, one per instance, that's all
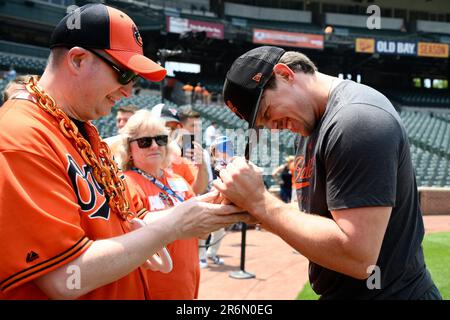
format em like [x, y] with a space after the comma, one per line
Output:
[199, 216]
[217, 197]
[242, 184]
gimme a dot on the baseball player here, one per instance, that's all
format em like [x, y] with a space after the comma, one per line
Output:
[66, 214]
[354, 177]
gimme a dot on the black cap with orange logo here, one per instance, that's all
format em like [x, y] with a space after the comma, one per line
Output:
[246, 79]
[109, 29]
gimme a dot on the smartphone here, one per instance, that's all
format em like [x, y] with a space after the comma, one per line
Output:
[187, 143]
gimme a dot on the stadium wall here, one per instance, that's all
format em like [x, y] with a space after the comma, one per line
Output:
[434, 6]
[434, 201]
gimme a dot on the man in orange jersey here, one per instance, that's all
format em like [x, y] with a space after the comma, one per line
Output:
[66, 214]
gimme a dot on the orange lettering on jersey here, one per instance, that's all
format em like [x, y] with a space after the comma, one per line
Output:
[303, 172]
[91, 197]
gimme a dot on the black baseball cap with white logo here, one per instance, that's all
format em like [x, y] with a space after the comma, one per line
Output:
[246, 79]
[169, 114]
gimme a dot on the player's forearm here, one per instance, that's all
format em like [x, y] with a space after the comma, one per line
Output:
[108, 260]
[317, 238]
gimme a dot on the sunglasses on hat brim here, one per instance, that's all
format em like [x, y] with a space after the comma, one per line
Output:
[146, 142]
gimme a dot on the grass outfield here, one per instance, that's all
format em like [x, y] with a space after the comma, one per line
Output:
[436, 248]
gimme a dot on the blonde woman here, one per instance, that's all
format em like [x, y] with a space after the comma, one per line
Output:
[144, 154]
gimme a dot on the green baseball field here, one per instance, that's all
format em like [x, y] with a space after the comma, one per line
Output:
[437, 255]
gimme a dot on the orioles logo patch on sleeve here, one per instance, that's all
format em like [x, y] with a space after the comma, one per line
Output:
[91, 197]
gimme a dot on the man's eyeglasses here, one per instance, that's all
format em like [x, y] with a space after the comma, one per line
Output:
[146, 142]
[125, 76]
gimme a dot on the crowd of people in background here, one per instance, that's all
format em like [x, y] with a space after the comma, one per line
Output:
[197, 94]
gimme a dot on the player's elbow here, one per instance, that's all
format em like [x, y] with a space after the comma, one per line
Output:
[364, 264]
[359, 269]
[368, 263]
[360, 263]
[362, 271]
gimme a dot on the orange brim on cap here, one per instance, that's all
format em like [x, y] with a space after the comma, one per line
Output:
[145, 67]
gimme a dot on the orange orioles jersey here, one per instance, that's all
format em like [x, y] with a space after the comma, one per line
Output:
[51, 208]
[184, 168]
[182, 283]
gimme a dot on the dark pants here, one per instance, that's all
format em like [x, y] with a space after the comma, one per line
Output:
[285, 195]
[432, 294]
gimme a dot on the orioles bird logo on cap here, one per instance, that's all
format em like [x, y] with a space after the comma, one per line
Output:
[234, 109]
[137, 36]
[257, 77]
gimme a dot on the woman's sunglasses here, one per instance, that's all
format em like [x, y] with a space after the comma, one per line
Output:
[146, 142]
[125, 76]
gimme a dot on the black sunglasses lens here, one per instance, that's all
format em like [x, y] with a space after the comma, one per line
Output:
[161, 140]
[144, 142]
[127, 76]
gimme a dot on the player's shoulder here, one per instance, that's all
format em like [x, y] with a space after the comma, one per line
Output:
[354, 104]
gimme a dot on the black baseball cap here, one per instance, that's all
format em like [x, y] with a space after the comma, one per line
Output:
[96, 26]
[169, 114]
[246, 79]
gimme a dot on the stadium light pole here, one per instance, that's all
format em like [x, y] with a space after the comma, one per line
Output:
[162, 59]
[163, 55]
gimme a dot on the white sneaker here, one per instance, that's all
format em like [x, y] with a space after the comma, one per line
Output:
[217, 260]
[203, 264]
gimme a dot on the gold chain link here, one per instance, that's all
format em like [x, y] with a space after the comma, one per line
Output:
[104, 169]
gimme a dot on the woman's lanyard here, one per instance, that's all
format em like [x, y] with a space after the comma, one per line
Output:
[159, 184]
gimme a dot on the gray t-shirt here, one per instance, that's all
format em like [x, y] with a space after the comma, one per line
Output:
[358, 156]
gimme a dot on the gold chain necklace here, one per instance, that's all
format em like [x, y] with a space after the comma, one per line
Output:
[104, 169]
